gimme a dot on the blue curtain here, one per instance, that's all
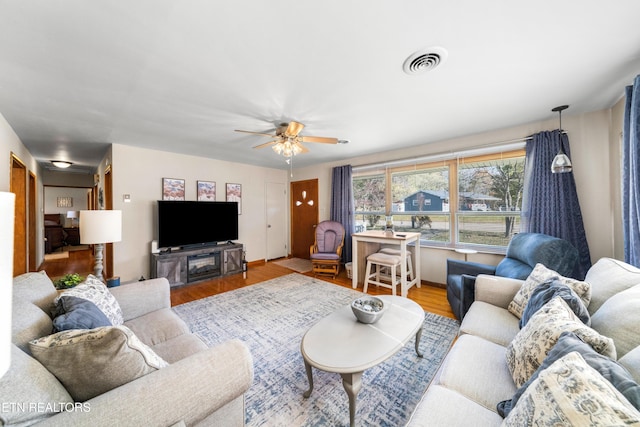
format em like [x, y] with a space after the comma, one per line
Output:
[631, 174]
[342, 205]
[550, 201]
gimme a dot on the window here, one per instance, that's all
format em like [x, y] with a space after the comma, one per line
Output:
[421, 201]
[489, 200]
[473, 201]
[369, 200]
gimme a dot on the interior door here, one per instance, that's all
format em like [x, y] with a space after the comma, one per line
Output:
[304, 216]
[276, 202]
[19, 188]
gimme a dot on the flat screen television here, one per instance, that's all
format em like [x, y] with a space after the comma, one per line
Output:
[186, 223]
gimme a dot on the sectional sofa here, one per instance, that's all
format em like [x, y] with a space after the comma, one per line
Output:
[476, 376]
[178, 382]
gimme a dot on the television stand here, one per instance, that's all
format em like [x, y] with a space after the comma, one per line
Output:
[185, 266]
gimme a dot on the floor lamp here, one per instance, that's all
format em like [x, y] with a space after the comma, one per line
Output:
[97, 228]
[7, 204]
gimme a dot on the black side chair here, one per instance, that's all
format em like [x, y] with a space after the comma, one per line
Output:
[523, 253]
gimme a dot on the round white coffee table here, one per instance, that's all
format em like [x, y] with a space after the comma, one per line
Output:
[339, 343]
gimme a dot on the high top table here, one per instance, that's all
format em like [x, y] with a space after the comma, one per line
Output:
[367, 242]
[339, 343]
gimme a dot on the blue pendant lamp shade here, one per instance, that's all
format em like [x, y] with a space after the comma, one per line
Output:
[561, 163]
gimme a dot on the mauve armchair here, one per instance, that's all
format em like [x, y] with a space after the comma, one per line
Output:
[326, 252]
[523, 253]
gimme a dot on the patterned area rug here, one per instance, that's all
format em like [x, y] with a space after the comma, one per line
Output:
[296, 264]
[271, 318]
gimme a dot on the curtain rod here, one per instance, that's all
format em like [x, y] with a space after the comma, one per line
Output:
[507, 145]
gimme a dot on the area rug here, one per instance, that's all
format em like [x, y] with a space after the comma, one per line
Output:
[56, 255]
[271, 317]
[296, 264]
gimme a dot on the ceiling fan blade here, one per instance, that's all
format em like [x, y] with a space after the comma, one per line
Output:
[255, 133]
[266, 144]
[320, 139]
[294, 129]
[303, 148]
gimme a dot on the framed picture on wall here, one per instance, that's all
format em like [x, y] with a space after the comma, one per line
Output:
[172, 189]
[206, 191]
[65, 202]
[234, 194]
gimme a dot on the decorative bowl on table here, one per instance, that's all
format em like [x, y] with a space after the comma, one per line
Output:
[368, 309]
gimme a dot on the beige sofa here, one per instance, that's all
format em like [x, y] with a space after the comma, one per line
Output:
[200, 386]
[474, 376]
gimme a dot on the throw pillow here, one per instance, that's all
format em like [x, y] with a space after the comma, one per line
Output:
[92, 289]
[545, 292]
[77, 313]
[29, 393]
[92, 362]
[619, 318]
[542, 274]
[571, 393]
[611, 370]
[527, 350]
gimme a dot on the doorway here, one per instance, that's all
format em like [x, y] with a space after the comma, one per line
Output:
[19, 188]
[276, 205]
[304, 216]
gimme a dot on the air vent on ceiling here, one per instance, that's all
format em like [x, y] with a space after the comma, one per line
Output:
[424, 60]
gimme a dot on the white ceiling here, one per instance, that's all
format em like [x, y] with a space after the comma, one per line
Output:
[181, 75]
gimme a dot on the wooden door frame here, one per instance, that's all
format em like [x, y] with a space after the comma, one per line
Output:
[20, 236]
[32, 228]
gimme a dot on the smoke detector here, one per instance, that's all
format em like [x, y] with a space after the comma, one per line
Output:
[424, 60]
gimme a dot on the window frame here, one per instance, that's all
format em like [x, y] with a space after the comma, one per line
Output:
[454, 213]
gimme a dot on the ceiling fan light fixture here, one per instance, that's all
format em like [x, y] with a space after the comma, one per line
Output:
[62, 164]
[287, 148]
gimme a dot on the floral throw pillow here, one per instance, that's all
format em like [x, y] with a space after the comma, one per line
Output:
[93, 290]
[530, 346]
[571, 393]
[540, 275]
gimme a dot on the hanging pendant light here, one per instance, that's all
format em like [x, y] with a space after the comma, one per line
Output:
[561, 163]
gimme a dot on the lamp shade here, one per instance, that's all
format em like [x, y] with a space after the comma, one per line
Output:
[100, 227]
[7, 210]
[72, 214]
[561, 164]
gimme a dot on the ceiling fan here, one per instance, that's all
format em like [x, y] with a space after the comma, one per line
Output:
[288, 141]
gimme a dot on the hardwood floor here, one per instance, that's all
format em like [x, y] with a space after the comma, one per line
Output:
[430, 298]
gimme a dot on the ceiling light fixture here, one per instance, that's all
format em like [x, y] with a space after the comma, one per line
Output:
[287, 147]
[62, 164]
[561, 163]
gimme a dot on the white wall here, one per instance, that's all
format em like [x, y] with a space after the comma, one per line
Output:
[10, 143]
[139, 172]
[615, 190]
[591, 149]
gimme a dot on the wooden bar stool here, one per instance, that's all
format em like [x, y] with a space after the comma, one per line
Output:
[398, 252]
[381, 261]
